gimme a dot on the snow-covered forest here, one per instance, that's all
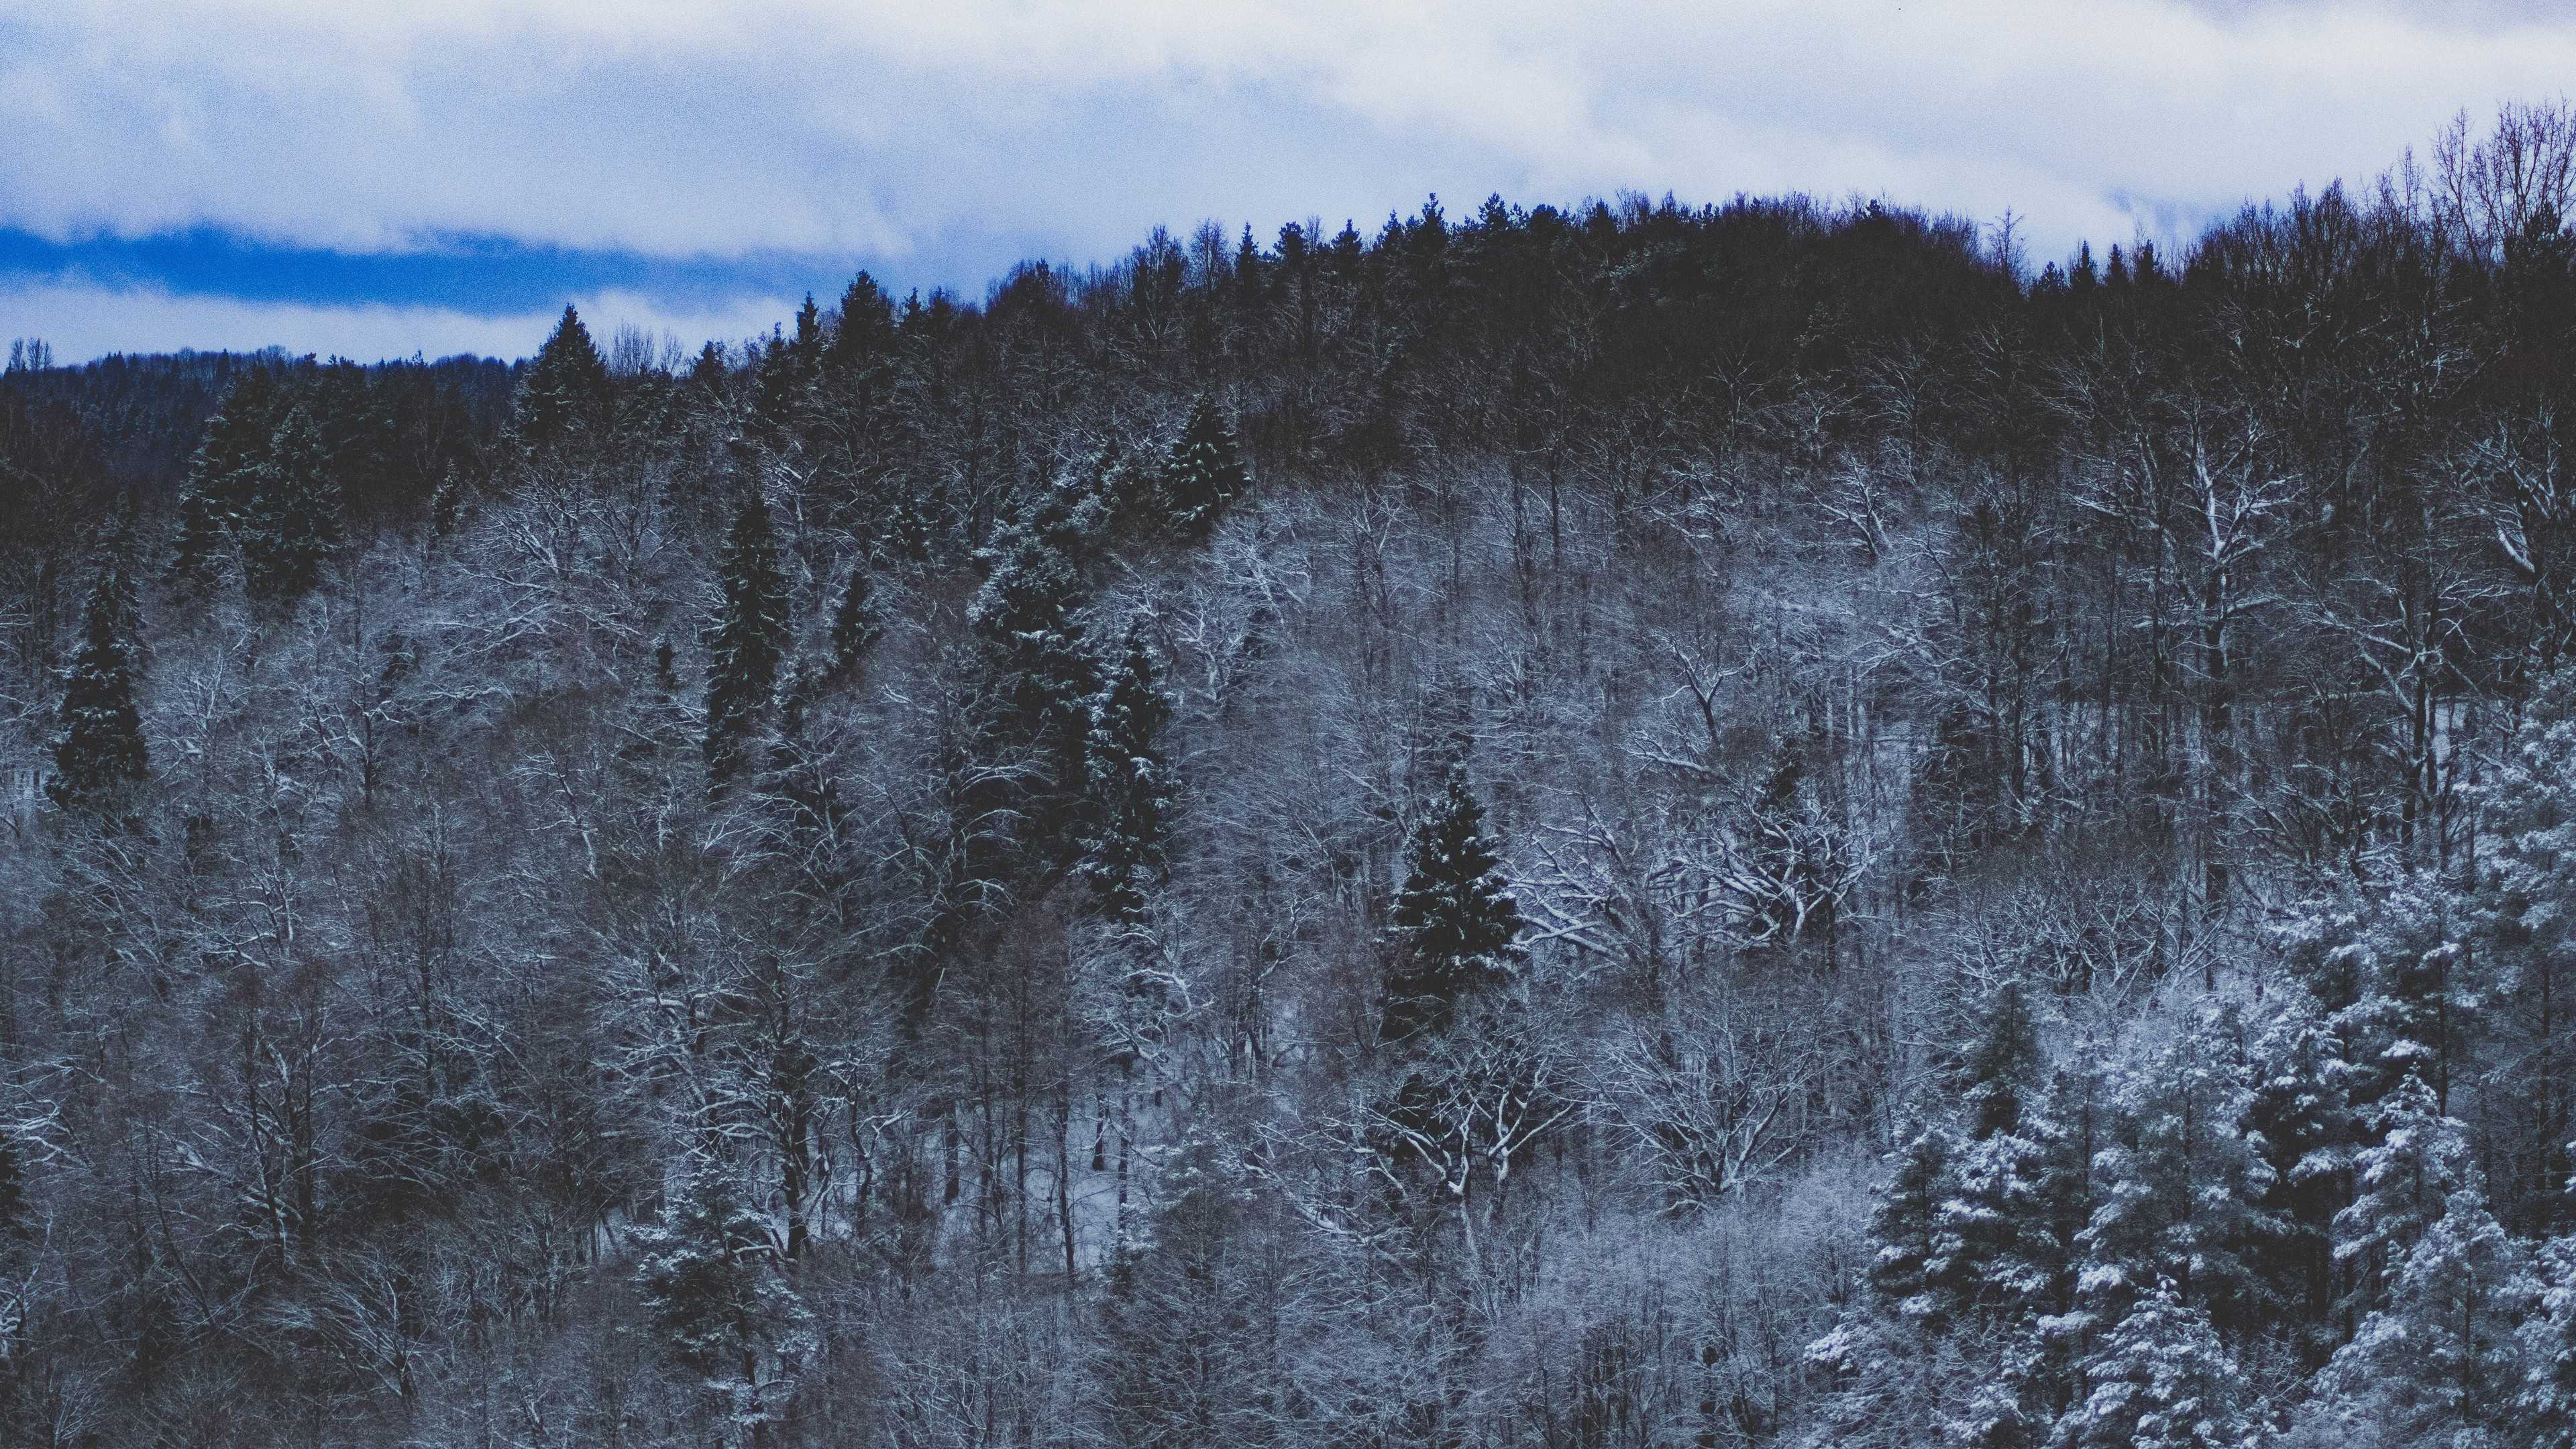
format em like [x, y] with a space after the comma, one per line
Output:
[1629, 826]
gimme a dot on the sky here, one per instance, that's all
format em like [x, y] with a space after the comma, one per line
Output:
[390, 179]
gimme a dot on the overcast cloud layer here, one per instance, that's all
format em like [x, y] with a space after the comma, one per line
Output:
[710, 163]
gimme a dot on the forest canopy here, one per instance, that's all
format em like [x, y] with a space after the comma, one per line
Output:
[1631, 825]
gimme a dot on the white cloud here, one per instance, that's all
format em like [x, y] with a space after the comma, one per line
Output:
[82, 321]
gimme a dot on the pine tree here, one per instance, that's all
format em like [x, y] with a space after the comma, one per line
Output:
[2405, 1182]
[2546, 1404]
[204, 539]
[865, 340]
[709, 374]
[787, 373]
[2006, 1231]
[2004, 1064]
[2160, 1379]
[223, 475]
[447, 504]
[1455, 920]
[1181, 1344]
[2526, 903]
[566, 390]
[1203, 473]
[749, 636]
[98, 751]
[1041, 673]
[2443, 1361]
[2439, 1361]
[2301, 1132]
[2180, 1180]
[855, 626]
[1911, 1269]
[292, 522]
[1123, 851]
[711, 1276]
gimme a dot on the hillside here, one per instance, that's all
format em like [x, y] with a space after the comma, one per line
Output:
[1631, 826]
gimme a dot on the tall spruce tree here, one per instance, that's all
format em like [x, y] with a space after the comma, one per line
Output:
[2183, 1181]
[292, 521]
[711, 1273]
[749, 636]
[2160, 1379]
[223, 475]
[855, 622]
[99, 751]
[1203, 473]
[709, 374]
[865, 340]
[1455, 920]
[782, 388]
[203, 541]
[566, 390]
[1123, 851]
[1041, 671]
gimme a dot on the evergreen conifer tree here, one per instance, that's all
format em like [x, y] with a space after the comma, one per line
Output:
[708, 375]
[787, 374]
[447, 504]
[566, 390]
[1041, 673]
[1911, 1270]
[2182, 1181]
[1455, 920]
[749, 636]
[865, 340]
[203, 541]
[292, 521]
[2546, 1404]
[710, 1273]
[1203, 473]
[223, 475]
[2439, 1361]
[99, 751]
[2004, 1064]
[2301, 1132]
[1181, 1351]
[2160, 1379]
[855, 626]
[2527, 904]
[2404, 1184]
[1123, 851]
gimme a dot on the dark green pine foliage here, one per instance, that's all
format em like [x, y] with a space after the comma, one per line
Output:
[864, 345]
[710, 1273]
[567, 389]
[856, 626]
[1203, 473]
[447, 504]
[1183, 1344]
[1912, 1271]
[292, 522]
[204, 539]
[99, 751]
[1124, 851]
[2005, 1063]
[1041, 672]
[708, 374]
[2304, 1134]
[1455, 920]
[787, 372]
[749, 636]
[223, 474]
